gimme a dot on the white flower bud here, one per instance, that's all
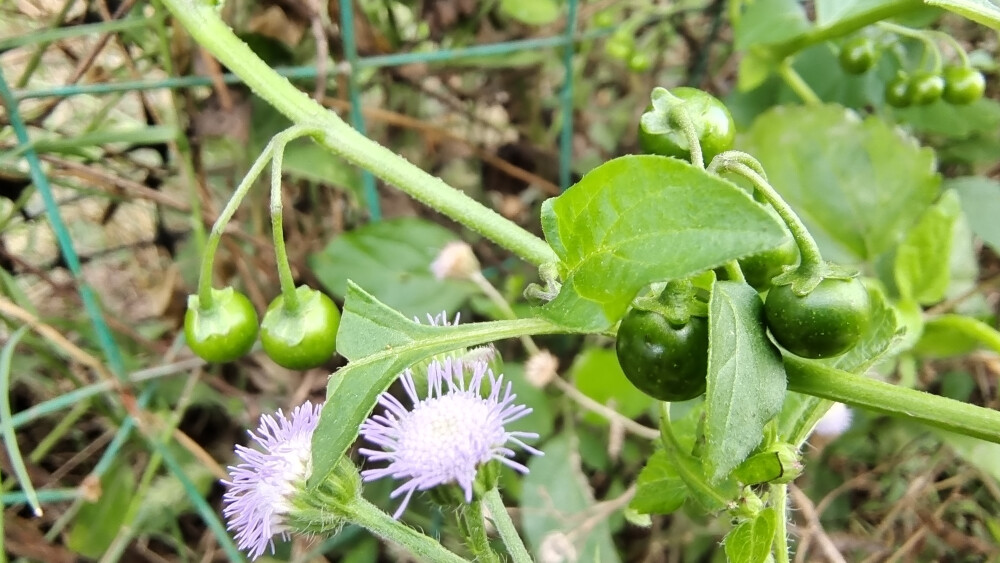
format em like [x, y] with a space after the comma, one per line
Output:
[455, 261]
[835, 422]
[541, 369]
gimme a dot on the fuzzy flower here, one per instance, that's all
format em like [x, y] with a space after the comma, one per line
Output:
[259, 494]
[448, 434]
[455, 261]
[835, 422]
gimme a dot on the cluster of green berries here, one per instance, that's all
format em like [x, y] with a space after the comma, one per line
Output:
[295, 337]
[957, 85]
[666, 356]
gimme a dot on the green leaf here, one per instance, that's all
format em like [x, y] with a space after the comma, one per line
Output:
[531, 12]
[746, 378]
[557, 499]
[883, 336]
[858, 187]
[596, 374]
[942, 338]
[644, 218]
[392, 259]
[754, 69]
[923, 260]
[750, 542]
[97, 523]
[981, 11]
[951, 121]
[831, 11]
[769, 22]
[381, 343]
[980, 199]
[660, 489]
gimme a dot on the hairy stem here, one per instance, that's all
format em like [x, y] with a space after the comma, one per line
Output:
[424, 548]
[202, 21]
[504, 525]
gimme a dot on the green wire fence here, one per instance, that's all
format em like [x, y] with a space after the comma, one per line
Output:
[110, 350]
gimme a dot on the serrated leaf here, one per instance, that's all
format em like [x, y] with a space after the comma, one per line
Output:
[746, 378]
[639, 219]
[750, 542]
[556, 500]
[980, 198]
[392, 260]
[660, 489]
[381, 343]
[922, 261]
[858, 187]
[982, 11]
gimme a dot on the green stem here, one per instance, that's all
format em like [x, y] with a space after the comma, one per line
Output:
[470, 521]
[808, 249]
[693, 479]
[504, 525]
[500, 301]
[734, 271]
[202, 21]
[797, 84]
[779, 499]
[842, 27]
[290, 297]
[205, 300]
[812, 378]
[680, 114]
[974, 328]
[924, 37]
[368, 516]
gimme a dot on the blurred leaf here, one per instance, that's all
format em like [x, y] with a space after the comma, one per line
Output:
[980, 198]
[754, 70]
[660, 489]
[380, 343]
[746, 378]
[165, 500]
[556, 499]
[858, 187]
[97, 523]
[769, 22]
[596, 374]
[832, 11]
[542, 416]
[883, 336]
[953, 121]
[941, 339]
[531, 12]
[613, 233]
[923, 259]
[750, 542]
[392, 260]
[981, 11]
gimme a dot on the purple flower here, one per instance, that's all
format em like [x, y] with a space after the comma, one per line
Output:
[448, 434]
[260, 491]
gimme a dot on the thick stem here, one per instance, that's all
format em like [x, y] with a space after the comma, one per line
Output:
[815, 379]
[202, 21]
[281, 140]
[779, 499]
[474, 529]
[505, 526]
[205, 300]
[368, 516]
[808, 249]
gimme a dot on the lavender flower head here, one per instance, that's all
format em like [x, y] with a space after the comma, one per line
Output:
[448, 434]
[259, 494]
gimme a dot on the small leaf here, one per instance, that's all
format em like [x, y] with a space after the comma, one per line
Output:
[381, 343]
[97, 523]
[923, 259]
[981, 11]
[746, 378]
[392, 260]
[660, 489]
[639, 219]
[557, 499]
[750, 542]
[858, 187]
[531, 12]
[769, 22]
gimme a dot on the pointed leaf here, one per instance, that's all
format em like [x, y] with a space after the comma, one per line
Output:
[750, 542]
[639, 219]
[746, 378]
[660, 489]
[981, 11]
[922, 265]
[382, 343]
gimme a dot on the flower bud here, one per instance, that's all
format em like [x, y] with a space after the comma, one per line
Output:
[541, 369]
[455, 261]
